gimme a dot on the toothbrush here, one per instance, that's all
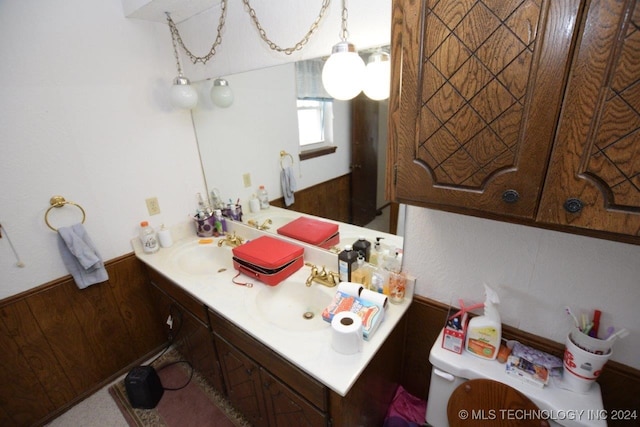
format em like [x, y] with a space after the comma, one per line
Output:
[610, 331]
[570, 313]
[618, 334]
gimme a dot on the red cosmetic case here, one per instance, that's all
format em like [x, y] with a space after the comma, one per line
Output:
[268, 259]
[309, 230]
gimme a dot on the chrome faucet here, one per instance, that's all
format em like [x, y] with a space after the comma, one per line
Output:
[231, 240]
[324, 277]
[265, 225]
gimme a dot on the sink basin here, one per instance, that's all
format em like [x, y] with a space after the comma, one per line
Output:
[203, 259]
[293, 306]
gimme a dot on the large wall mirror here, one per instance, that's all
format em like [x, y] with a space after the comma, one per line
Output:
[241, 145]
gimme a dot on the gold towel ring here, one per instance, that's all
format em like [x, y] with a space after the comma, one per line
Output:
[58, 202]
[284, 154]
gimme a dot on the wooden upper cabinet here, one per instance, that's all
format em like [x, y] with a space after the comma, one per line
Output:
[595, 167]
[475, 101]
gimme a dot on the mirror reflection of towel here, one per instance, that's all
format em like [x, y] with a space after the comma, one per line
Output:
[80, 256]
[288, 182]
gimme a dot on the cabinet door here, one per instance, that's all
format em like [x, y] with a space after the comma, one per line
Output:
[594, 174]
[287, 408]
[476, 96]
[242, 378]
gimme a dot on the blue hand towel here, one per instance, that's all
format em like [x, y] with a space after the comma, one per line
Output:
[288, 182]
[80, 256]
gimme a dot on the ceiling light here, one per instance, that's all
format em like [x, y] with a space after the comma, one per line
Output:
[221, 93]
[342, 74]
[377, 76]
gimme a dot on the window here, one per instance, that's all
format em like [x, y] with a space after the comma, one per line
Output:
[315, 122]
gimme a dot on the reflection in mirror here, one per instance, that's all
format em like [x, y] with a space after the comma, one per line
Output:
[240, 150]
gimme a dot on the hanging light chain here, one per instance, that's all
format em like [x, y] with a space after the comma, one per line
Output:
[344, 35]
[175, 48]
[302, 42]
[175, 34]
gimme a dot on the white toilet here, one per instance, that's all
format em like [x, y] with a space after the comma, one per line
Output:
[561, 407]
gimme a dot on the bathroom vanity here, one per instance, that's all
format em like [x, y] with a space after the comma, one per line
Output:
[254, 344]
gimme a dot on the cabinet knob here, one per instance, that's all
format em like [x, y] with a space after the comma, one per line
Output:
[573, 205]
[510, 196]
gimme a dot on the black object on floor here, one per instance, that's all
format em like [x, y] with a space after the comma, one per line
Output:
[143, 386]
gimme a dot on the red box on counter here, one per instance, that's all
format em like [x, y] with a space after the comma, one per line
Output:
[455, 331]
[268, 259]
[309, 230]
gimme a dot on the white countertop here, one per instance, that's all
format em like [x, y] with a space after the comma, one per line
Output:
[308, 349]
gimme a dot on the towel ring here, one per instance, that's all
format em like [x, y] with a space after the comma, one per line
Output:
[284, 154]
[58, 202]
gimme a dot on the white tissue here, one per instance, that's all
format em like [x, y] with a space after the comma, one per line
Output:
[350, 288]
[377, 298]
[346, 334]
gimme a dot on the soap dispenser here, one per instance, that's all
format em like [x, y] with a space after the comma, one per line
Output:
[376, 253]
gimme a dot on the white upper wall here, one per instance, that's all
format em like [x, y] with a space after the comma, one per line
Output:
[84, 113]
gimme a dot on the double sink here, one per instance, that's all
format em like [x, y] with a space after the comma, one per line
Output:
[290, 305]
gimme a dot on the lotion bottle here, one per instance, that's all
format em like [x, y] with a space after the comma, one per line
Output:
[485, 332]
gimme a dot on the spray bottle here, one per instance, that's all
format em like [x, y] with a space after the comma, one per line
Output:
[484, 332]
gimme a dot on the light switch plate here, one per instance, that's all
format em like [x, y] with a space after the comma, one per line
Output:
[152, 206]
[246, 178]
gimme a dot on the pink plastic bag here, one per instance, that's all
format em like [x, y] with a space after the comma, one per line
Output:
[407, 407]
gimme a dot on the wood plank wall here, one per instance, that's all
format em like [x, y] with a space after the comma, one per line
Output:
[330, 199]
[60, 344]
[620, 384]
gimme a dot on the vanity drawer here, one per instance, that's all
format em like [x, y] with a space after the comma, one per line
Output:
[313, 391]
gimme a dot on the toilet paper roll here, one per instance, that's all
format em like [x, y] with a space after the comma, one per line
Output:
[350, 288]
[378, 299]
[346, 334]
[164, 236]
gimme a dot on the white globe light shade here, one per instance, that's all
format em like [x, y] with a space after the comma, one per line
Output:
[183, 95]
[342, 74]
[221, 93]
[377, 76]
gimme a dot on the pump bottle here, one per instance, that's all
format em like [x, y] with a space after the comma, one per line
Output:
[484, 332]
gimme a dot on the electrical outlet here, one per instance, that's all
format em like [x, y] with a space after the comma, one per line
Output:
[246, 178]
[152, 206]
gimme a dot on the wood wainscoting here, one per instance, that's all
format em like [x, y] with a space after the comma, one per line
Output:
[60, 344]
[330, 199]
[620, 384]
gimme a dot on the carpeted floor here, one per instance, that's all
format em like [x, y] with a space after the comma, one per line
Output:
[196, 404]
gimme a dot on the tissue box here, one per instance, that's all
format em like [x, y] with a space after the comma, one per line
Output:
[370, 313]
[528, 372]
[552, 364]
[454, 332]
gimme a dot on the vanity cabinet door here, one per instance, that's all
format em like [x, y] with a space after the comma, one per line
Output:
[476, 94]
[286, 408]
[191, 330]
[242, 378]
[594, 174]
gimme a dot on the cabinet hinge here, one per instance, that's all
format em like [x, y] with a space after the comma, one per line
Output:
[395, 174]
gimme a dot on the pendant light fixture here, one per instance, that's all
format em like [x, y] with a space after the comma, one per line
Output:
[183, 95]
[221, 93]
[377, 76]
[342, 74]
